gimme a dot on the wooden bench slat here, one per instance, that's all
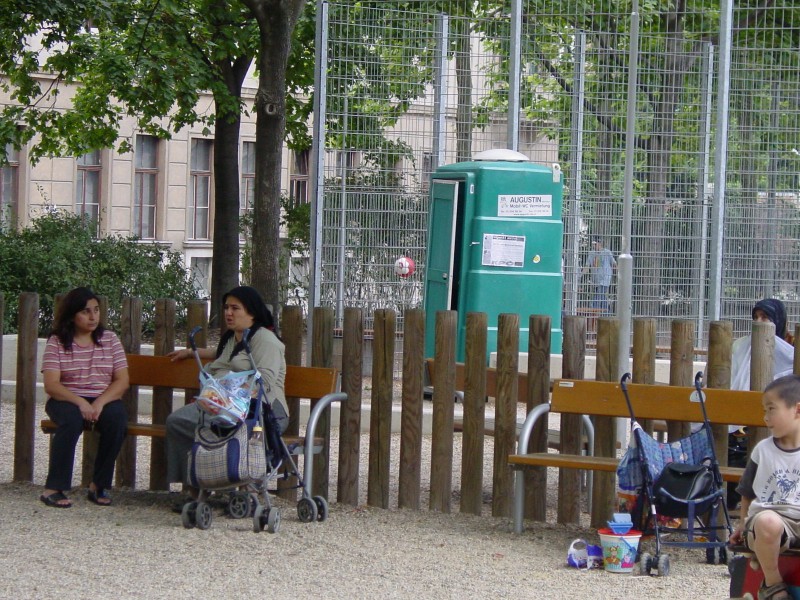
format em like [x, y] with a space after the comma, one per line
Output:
[591, 463]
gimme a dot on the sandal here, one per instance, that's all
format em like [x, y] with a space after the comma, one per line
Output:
[774, 592]
[99, 496]
[56, 500]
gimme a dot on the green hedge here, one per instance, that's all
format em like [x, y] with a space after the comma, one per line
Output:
[58, 252]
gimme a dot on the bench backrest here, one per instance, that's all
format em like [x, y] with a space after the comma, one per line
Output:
[491, 380]
[602, 398]
[301, 382]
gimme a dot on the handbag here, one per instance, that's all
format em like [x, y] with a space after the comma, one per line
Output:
[680, 485]
[229, 457]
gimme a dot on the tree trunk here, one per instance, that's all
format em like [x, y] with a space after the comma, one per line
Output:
[276, 20]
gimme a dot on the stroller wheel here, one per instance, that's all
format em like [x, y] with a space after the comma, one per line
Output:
[239, 505]
[716, 556]
[273, 520]
[307, 510]
[645, 563]
[663, 565]
[258, 519]
[322, 507]
[203, 515]
[188, 514]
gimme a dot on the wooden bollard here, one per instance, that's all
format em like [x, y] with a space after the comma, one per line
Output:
[574, 361]
[718, 375]
[505, 413]
[681, 367]
[762, 369]
[605, 428]
[444, 377]
[163, 344]
[538, 392]
[380, 418]
[644, 358]
[24, 425]
[350, 415]
[475, 345]
[292, 336]
[797, 349]
[196, 316]
[322, 356]
[131, 338]
[410, 476]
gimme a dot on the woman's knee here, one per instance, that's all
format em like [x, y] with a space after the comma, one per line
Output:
[768, 526]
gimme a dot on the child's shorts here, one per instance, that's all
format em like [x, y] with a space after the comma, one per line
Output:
[791, 530]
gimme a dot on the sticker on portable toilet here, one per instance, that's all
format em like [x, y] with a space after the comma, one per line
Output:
[556, 172]
[503, 250]
[537, 259]
[525, 205]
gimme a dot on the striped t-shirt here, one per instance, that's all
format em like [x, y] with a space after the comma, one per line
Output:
[85, 370]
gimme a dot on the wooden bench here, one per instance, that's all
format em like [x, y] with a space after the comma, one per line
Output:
[553, 435]
[314, 383]
[598, 398]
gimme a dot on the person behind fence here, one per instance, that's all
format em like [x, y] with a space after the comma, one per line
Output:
[769, 310]
[244, 309]
[85, 374]
[770, 487]
[600, 265]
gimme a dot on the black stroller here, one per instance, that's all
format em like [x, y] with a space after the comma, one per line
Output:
[679, 479]
[241, 452]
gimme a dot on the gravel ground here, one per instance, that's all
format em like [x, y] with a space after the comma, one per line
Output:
[138, 549]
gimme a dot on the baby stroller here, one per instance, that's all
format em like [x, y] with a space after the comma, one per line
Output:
[237, 447]
[679, 479]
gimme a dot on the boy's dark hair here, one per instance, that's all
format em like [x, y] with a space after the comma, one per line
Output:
[787, 388]
[64, 323]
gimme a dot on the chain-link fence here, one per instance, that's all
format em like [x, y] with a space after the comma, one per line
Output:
[408, 90]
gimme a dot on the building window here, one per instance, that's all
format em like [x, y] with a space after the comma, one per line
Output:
[87, 189]
[9, 188]
[248, 185]
[145, 187]
[298, 179]
[200, 193]
[201, 275]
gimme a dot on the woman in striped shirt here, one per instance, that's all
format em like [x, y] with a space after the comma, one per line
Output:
[85, 374]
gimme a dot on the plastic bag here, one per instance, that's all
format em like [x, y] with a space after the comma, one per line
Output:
[583, 555]
[226, 399]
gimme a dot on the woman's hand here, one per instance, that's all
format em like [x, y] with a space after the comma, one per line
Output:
[737, 537]
[180, 354]
[88, 411]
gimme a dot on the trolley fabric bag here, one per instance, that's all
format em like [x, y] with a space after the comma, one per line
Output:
[218, 460]
[681, 484]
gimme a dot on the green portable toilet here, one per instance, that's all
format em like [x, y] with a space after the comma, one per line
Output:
[494, 244]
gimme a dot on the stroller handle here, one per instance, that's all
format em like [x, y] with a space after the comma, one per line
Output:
[193, 333]
[623, 381]
[245, 341]
[698, 380]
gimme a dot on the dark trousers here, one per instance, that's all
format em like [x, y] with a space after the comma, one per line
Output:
[112, 427]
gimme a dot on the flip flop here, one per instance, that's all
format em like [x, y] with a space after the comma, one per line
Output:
[55, 499]
[99, 496]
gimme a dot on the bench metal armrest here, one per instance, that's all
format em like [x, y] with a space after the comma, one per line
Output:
[522, 448]
[311, 428]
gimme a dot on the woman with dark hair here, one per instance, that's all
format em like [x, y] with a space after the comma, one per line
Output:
[244, 309]
[85, 374]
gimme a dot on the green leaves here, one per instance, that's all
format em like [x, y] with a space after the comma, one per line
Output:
[58, 252]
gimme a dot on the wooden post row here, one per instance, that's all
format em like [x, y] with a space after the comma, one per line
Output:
[475, 345]
[322, 356]
[410, 475]
[131, 338]
[292, 335]
[350, 416]
[444, 376]
[604, 489]
[574, 353]
[505, 413]
[380, 427]
[539, 344]
[24, 426]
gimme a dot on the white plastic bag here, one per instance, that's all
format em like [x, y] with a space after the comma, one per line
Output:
[583, 555]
